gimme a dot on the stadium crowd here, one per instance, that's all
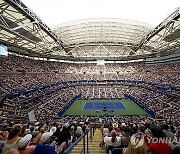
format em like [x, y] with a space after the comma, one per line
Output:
[53, 103]
[50, 109]
[14, 63]
[21, 82]
[140, 135]
[55, 134]
[133, 134]
[39, 138]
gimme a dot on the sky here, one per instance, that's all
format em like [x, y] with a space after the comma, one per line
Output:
[54, 12]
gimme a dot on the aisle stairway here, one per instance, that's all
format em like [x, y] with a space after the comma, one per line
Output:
[93, 147]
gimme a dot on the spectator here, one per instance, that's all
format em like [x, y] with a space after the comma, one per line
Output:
[176, 144]
[38, 137]
[13, 139]
[113, 141]
[24, 145]
[136, 145]
[45, 148]
[159, 146]
[125, 138]
[169, 135]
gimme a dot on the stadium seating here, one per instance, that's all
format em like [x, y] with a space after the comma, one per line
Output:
[47, 90]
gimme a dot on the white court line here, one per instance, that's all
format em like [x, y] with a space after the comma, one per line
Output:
[83, 106]
[123, 105]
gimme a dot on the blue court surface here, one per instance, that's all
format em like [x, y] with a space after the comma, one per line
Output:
[104, 105]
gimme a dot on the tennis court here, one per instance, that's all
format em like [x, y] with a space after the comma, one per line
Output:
[89, 107]
[104, 105]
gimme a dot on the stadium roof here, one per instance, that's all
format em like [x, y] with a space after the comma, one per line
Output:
[90, 39]
[102, 30]
[24, 32]
[101, 37]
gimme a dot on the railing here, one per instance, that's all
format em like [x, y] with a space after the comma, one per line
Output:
[86, 138]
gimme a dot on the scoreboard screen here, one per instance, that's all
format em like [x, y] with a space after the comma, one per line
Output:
[100, 62]
[3, 50]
